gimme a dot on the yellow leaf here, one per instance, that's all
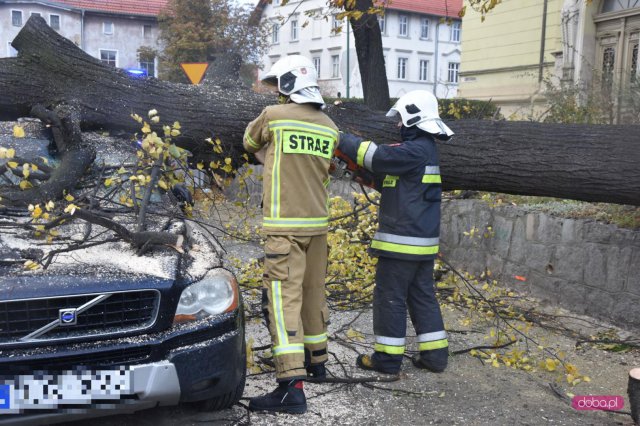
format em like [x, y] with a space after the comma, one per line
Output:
[495, 363]
[69, 197]
[153, 112]
[30, 264]
[146, 128]
[175, 132]
[355, 335]
[24, 184]
[586, 379]
[37, 211]
[162, 184]
[49, 206]
[155, 119]
[11, 153]
[71, 208]
[121, 170]
[108, 182]
[227, 160]
[12, 164]
[550, 364]
[176, 125]
[200, 166]
[18, 132]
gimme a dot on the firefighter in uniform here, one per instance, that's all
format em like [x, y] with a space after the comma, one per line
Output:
[297, 140]
[408, 176]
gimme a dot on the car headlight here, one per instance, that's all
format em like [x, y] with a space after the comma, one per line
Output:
[216, 293]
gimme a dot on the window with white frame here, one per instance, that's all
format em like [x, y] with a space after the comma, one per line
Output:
[382, 22]
[148, 63]
[403, 25]
[16, 18]
[402, 68]
[335, 66]
[423, 72]
[316, 24]
[454, 68]
[455, 31]
[107, 27]
[11, 52]
[54, 22]
[109, 57]
[294, 30]
[424, 28]
[146, 31]
[316, 63]
[336, 24]
[275, 33]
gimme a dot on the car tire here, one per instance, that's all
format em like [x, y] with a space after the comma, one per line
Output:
[229, 399]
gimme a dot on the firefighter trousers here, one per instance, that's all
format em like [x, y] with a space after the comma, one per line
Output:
[402, 284]
[294, 302]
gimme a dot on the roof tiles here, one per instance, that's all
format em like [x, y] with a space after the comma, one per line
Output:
[126, 7]
[448, 8]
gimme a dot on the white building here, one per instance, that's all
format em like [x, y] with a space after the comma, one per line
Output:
[110, 30]
[421, 42]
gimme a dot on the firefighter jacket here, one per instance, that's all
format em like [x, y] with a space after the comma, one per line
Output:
[407, 175]
[299, 140]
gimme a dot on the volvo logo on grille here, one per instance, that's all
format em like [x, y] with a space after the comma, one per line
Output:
[68, 316]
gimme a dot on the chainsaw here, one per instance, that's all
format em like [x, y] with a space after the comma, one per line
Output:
[342, 167]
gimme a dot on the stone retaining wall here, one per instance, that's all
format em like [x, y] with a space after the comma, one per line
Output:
[584, 266]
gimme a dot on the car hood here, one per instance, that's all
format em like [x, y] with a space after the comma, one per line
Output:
[108, 266]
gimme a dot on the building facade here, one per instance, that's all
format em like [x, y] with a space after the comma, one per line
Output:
[524, 44]
[123, 34]
[421, 42]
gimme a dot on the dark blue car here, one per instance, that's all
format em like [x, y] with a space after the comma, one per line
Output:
[105, 330]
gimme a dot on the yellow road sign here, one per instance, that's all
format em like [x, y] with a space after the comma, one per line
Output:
[194, 70]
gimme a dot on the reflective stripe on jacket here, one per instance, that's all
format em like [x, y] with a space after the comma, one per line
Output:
[299, 140]
[408, 176]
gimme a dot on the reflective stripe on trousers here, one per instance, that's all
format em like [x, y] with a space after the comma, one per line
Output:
[433, 340]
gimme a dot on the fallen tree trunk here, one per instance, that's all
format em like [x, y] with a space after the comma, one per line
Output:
[583, 162]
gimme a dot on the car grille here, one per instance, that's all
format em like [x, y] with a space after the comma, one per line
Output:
[34, 320]
[106, 359]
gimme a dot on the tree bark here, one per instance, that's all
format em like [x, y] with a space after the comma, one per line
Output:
[583, 162]
[373, 73]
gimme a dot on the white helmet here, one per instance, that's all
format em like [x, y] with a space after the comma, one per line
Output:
[295, 76]
[420, 108]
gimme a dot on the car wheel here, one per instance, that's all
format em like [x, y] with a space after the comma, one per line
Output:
[224, 401]
[227, 400]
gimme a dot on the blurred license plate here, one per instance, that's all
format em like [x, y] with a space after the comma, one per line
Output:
[47, 391]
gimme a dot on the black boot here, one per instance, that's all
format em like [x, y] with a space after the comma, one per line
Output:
[287, 398]
[425, 365]
[367, 362]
